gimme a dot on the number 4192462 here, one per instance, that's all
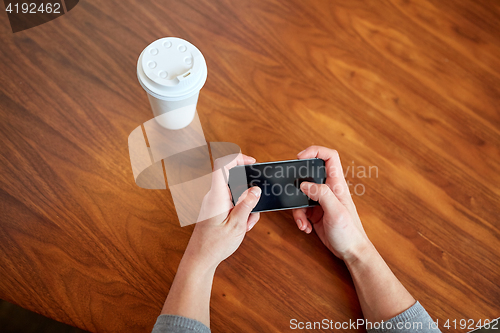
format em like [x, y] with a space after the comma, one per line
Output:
[31, 8]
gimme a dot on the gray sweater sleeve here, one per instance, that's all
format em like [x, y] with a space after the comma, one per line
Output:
[415, 319]
[178, 324]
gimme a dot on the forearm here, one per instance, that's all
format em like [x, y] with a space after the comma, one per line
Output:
[189, 295]
[380, 293]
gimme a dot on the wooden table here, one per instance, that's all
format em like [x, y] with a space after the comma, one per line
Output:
[409, 88]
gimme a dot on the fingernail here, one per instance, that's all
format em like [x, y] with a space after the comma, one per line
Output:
[301, 152]
[253, 159]
[299, 222]
[256, 191]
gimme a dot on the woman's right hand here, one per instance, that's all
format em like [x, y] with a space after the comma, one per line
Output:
[335, 220]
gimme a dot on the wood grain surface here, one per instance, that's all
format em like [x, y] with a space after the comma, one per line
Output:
[410, 88]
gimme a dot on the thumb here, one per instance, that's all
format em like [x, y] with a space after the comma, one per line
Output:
[247, 201]
[324, 195]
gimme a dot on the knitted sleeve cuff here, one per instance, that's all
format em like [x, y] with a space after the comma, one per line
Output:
[178, 324]
[415, 319]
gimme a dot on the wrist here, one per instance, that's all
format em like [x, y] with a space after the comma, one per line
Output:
[360, 253]
[198, 261]
[189, 295]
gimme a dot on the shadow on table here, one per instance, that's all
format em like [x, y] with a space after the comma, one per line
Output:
[14, 319]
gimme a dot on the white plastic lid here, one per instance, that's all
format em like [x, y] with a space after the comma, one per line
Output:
[171, 69]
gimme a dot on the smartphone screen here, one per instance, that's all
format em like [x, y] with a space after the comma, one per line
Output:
[279, 182]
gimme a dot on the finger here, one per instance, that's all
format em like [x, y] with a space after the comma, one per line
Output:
[323, 194]
[252, 220]
[309, 214]
[300, 217]
[221, 169]
[231, 160]
[248, 159]
[247, 201]
[334, 173]
[241, 159]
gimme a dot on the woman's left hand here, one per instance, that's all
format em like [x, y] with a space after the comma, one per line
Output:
[221, 233]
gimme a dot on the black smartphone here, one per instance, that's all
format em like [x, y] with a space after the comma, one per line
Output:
[279, 182]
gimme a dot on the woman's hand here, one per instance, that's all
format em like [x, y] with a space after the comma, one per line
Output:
[335, 220]
[219, 233]
[223, 227]
[337, 224]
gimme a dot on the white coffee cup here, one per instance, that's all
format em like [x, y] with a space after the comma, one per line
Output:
[172, 71]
